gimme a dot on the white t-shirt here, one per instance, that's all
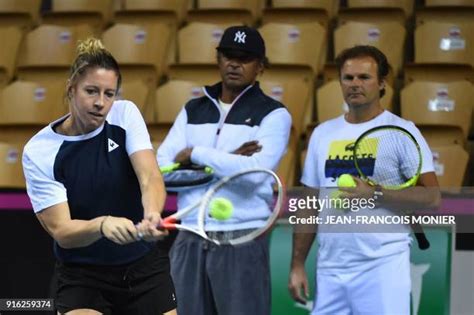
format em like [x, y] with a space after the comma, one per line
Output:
[328, 157]
[225, 106]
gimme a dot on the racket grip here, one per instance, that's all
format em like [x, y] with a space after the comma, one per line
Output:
[168, 223]
[420, 236]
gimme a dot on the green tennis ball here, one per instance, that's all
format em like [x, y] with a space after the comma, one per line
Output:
[221, 209]
[346, 180]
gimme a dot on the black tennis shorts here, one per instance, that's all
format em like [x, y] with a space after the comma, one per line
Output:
[142, 287]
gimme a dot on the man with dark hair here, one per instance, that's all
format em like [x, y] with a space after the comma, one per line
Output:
[234, 127]
[359, 273]
[383, 66]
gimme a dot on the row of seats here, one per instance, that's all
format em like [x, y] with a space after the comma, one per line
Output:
[305, 44]
[105, 11]
[425, 103]
[37, 59]
[450, 163]
[50, 49]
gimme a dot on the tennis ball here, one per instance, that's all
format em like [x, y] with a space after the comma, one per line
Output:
[221, 209]
[346, 180]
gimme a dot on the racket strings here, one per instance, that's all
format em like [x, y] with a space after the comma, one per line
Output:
[252, 200]
[388, 157]
[183, 178]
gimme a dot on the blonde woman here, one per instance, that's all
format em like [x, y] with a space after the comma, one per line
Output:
[96, 188]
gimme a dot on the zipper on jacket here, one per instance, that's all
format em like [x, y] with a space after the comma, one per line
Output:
[222, 121]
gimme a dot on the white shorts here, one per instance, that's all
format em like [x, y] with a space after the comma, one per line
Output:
[381, 290]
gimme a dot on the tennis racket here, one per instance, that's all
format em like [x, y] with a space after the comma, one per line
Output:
[178, 177]
[399, 159]
[235, 209]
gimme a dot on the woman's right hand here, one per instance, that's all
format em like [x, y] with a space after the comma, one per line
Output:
[119, 230]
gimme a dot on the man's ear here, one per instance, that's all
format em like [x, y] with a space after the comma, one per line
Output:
[261, 67]
[382, 84]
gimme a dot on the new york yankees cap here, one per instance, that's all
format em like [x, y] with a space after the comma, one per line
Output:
[242, 38]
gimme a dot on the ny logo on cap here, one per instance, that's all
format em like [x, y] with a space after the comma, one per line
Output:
[240, 37]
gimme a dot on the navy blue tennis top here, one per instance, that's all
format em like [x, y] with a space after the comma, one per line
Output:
[94, 175]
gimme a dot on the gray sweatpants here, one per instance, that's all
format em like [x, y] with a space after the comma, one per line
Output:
[223, 280]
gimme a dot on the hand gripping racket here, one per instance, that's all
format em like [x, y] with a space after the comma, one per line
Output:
[234, 210]
[398, 158]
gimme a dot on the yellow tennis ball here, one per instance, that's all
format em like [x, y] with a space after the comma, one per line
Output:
[221, 209]
[346, 180]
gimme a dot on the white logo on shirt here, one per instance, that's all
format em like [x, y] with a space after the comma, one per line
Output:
[112, 145]
[248, 120]
[240, 37]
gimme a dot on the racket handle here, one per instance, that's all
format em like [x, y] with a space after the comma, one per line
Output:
[168, 223]
[420, 236]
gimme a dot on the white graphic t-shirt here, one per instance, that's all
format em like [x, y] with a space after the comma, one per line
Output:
[329, 156]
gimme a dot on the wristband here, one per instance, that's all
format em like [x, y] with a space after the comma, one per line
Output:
[378, 194]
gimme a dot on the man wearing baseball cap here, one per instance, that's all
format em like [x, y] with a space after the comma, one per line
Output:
[233, 127]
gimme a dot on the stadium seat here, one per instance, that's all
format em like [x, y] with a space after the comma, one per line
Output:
[438, 104]
[330, 72]
[29, 103]
[438, 73]
[230, 11]
[140, 93]
[156, 145]
[288, 164]
[444, 14]
[449, 3]
[140, 15]
[450, 162]
[405, 5]
[389, 37]
[12, 37]
[442, 135]
[158, 132]
[174, 11]
[97, 14]
[11, 171]
[24, 13]
[330, 102]
[254, 6]
[294, 94]
[372, 15]
[18, 134]
[172, 96]
[148, 45]
[145, 56]
[444, 42]
[293, 73]
[48, 51]
[197, 43]
[300, 11]
[295, 44]
[202, 74]
[51, 46]
[329, 6]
